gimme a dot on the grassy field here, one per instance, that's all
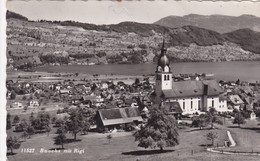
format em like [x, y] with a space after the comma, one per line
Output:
[123, 147]
[247, 137]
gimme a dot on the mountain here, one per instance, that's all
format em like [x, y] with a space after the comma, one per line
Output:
[218, 23]
[33, 43]
[246, 38]
[10, 14]
[186, 35]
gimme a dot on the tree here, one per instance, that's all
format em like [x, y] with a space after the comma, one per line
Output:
[12, 143]
[8, 122]
[109, 137]
[239, 119]
[31, 118]
[13, 95]
[42, 121]
[16, 119]
[60, 139]
[21, 126]
[59, 122]
[47, 129]
[53, 120]
[212, 136]
[86, 126]
[137, 81]
[200, 121]
[159, 131]
[238, 82]
[24, 97]
[75, 122]
[79, 120]
[213, 118]
[30, 130]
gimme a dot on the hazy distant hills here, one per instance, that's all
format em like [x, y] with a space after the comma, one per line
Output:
[40, 42]
[218, 23]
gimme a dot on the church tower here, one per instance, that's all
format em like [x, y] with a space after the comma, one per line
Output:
[163, 73]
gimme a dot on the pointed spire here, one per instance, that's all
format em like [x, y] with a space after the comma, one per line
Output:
[163, 49]
[163, 44]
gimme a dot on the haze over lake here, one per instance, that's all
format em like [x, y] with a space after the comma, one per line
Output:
[243, 70]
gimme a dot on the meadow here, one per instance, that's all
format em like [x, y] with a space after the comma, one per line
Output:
[192, 146]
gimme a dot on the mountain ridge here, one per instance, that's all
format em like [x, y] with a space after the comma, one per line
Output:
[212, 22]
[126, 42]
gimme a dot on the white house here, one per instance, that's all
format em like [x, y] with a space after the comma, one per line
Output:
[34, 103]
[17, 105]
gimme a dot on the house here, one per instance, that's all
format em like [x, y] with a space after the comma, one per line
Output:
[104, 85]
[76, 99]
[65, 91]
[236, 102]
[17, 105]
[252, 116]
[34, 103]
[115, 117]
[173, 108]
[223, 105]
[93, 100]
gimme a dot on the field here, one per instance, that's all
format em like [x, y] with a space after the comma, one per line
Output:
[123, 147]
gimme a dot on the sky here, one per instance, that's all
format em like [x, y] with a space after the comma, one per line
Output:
[113, 12]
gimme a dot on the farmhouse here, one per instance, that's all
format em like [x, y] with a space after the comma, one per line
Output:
[116, 117]
[193, 96]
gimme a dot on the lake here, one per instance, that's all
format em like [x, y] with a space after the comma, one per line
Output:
[243, 70]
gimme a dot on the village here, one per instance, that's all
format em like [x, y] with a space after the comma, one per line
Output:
[87, 107]
[115, 106]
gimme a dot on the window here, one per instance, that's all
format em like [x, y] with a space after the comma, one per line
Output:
[199, 104]
[168, 77]
[191, 104]
[183, 104]
[165, 78]
[212, 103]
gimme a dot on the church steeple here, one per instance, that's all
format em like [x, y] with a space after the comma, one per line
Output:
[163, 73]
[163, 60]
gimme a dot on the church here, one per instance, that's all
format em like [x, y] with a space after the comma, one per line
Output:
[193, 96]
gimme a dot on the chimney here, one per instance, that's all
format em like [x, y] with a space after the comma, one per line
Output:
[206, 87]
[205, 98]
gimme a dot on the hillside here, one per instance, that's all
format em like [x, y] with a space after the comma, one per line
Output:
[10, 14]
[55, 43]
[218, 23]
[246, 38]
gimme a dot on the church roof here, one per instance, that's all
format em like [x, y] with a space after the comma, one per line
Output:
[193, 89]
[163, 61]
